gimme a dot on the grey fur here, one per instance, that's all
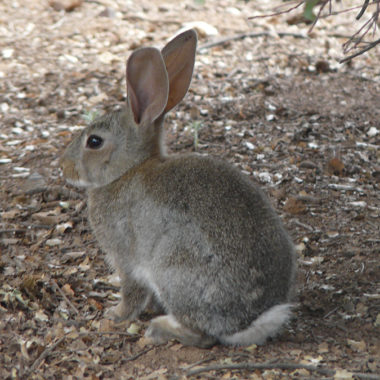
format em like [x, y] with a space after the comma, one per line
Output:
[191, 232]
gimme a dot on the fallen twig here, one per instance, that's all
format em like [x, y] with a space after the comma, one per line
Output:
[198, 363]
[13, 230]
[337, 186]
[56, 287]
[251, 35]
[281, 366]
[278, 13]
[303, 225]
[263, 366]
[136, 356]
[45, 353]
[100, 333]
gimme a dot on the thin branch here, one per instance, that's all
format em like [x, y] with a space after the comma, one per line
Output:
[369, 47]
[364, 7]
[56, 287]
[262, 366]
[319, 14]
[136, 356]
[303, 225]
[357, 38]
[49, 349]
[199, 362]
[13, 230]
[101, 333]
[281, 366]
[246, 35]
[45, 353]
[277, 13]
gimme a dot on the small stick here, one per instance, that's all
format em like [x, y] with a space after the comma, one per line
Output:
[278, 13]
[14, 230]
[101, 333]
[263, 366]
[330, 312]
[369, 47]
[305, 226]
[45, 353]
[282, 366]
[199, 362]
[245, 35]
[56, 287]
[143, 352]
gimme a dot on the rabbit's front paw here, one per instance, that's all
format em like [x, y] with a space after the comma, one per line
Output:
[120, 313]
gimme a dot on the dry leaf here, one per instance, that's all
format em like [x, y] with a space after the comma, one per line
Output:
[41, 316]
[68, 290]
[335, 166]
[70, 271]
[300, 373]
[24, 350]
[9, 214]
[251, 348]
[50, 217]
[294, 206]
[95, 304]
[357, 346]
[53, 242]
[84, 265]
[323, 348]
[377, 322]
[342, 374]
[106, 325]
[65, 5]
[311, 359]
[134, 328]
[62, 228]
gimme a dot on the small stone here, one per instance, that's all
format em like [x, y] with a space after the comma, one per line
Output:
[373, 131]
[203, 29]
[53, 242]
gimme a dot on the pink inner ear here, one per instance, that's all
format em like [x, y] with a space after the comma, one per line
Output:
[147, 85]
[133, 104]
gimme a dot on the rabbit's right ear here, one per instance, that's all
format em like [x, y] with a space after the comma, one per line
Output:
[179, 57]
[147, 85]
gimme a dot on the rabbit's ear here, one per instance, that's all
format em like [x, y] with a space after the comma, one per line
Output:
[179, 57]
[147, 85]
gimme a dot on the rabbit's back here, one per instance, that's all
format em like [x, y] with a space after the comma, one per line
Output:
[200, 235]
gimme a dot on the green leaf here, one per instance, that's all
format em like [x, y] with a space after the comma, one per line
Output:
[308, 11]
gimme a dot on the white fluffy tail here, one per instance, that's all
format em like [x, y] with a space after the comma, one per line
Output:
[266, 325]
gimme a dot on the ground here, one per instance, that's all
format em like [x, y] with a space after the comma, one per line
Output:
[279, 106]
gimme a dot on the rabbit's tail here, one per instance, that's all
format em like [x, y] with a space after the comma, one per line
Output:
[266, 325]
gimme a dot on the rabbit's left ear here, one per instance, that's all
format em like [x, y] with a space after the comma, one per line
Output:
[179, 57]
[147, 85]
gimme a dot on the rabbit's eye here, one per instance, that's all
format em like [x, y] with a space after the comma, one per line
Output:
[94, 142]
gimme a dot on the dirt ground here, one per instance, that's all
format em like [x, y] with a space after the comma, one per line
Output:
[280, 107]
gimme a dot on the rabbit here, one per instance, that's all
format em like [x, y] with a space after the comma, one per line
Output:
[190, 233]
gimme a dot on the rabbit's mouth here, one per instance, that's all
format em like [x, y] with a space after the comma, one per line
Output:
[72, 176]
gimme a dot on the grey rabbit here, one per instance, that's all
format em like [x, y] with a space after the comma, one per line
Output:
[188, 232]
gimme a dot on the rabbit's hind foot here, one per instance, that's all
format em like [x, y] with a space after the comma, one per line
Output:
[165, 328]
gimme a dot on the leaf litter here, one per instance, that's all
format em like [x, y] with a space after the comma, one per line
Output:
[281, 108]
